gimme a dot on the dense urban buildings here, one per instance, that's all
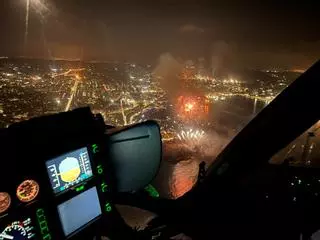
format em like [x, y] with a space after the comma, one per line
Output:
[202, 69]
[198, 112]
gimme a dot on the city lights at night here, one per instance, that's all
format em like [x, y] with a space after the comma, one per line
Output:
[203, 71]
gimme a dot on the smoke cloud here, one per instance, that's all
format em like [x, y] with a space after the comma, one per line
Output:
[167, 71]
[191, 28]
[223, 56]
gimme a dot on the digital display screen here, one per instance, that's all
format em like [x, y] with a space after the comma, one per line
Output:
[79, 210]
[69, 169]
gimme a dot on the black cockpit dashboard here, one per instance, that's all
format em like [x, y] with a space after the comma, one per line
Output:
[56, 178]
[56, 205]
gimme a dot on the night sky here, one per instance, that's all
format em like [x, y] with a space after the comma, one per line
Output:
[259, 35]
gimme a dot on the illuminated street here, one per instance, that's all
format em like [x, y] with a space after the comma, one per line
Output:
[218, 79]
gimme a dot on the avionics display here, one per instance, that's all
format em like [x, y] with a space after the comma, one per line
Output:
[79, 210]
[69, 169]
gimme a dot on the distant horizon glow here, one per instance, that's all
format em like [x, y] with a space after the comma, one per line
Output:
[192, 30]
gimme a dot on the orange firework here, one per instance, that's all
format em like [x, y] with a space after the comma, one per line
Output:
[192, 107]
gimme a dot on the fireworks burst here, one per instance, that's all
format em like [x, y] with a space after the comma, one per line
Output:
[203, 144]
[192, 107]
[190, 135]
[191, 139]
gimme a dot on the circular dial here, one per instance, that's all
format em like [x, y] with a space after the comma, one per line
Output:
[27, 190]
[5, 201]
[14, 231]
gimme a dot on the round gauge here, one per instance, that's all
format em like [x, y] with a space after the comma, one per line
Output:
[5, 201]
[27, 190]
[15, 231]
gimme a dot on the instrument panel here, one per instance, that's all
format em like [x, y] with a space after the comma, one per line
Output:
[28, 190]
[69, 169]
[5, 202]
[65, 195]
[18, 230]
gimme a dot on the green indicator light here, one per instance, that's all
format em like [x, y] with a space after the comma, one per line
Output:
[107, 207]
[47, 237]
[95, 148]
[40, 212]
[100, 169]
[41, 218]
[80, 188]
[104, 187]
[152, 191]
[44, 230]
[43, 224]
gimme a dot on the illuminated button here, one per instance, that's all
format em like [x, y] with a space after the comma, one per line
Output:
[80, 188]
[44, 230]
[152, 191]
[43, 225]
[47, 237]
[95, 148]
[100, 169]
[107, 207]
[104, 187]
[40, 212]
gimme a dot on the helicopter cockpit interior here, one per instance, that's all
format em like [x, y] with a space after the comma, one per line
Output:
[60, 179]
[61, 175]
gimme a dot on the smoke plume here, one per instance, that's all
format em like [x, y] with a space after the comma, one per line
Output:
[223, 55]
[167, 71]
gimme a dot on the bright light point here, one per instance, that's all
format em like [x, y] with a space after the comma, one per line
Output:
[188, 107]
[36, 78]
[190, 137]
[58, 101]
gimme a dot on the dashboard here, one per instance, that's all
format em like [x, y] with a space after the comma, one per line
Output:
[55, 181]
[68, 196]
[59, 175]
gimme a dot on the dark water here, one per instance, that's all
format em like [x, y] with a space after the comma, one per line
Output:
[235, 112]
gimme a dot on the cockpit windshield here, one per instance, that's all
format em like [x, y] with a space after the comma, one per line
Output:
[303, 151]
[201, 70]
